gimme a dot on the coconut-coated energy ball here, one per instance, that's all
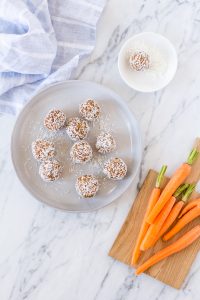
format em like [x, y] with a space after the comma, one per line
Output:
[55, 120]
[105, 143]
[87, 186]
[50, 170]
[115, 168]
[90, 110]
[43, 149]
[81, 152]
[77, 129]
[139, 61]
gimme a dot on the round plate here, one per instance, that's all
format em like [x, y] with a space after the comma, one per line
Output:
[162, 49]
[116, 118]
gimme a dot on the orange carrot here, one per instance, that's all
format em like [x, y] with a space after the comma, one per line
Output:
[152, 234]
[155, 194]
[187, 218]
[183, 242]
[189, 206]
[176, 180]
[154, 228]
[171, 218]
[176, 210]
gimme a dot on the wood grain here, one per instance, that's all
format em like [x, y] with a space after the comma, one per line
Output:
[174, 269]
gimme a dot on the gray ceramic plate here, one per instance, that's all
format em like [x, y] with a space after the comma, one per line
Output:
[116, 118]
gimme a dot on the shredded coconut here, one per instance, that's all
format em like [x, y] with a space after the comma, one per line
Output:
[115, 168]
[43, 149]
[105, 143]
[87, 186]
[139, 61]
[81, 152]
[77, 129]
[50, 170]
[55, 120]
[157, 64]
[90, 110]
[69, 171]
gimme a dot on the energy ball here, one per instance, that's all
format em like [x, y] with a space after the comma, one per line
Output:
[89, 110]
[77, 129]
[105, 143]
[139, 61]
[115, 168]
[50, 170]
[81, 152]
[87, 186]
[55, 120]
[43, 149]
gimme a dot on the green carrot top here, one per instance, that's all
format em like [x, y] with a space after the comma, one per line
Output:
[192, 156]
[188, 192]
[160, 176]
[182, 188]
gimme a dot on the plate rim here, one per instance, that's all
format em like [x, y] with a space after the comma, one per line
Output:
[31, 191]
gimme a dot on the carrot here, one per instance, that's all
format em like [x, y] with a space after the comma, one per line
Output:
[153, 231]
[189, 206]
[176, 210]
[176, 180]
[187, 218]
[155, 194]
[183, 242]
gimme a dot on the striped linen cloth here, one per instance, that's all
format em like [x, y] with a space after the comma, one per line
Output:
[42, 42]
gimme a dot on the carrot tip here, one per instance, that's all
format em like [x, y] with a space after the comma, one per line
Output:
[137, 272]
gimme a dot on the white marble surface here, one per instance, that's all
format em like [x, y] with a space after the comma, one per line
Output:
[48, 254]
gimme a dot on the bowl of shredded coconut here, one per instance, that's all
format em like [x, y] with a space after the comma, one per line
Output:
[147, 62]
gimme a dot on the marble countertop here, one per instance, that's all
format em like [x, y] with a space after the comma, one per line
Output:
[49, 254]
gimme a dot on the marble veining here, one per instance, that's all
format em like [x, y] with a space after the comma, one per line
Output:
[48, 254]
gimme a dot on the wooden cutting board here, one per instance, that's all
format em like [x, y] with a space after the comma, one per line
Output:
[174, 269]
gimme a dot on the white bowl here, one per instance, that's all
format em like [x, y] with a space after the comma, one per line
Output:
[149, 80]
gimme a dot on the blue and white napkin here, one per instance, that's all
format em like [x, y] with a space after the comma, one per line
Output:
[42, 42]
